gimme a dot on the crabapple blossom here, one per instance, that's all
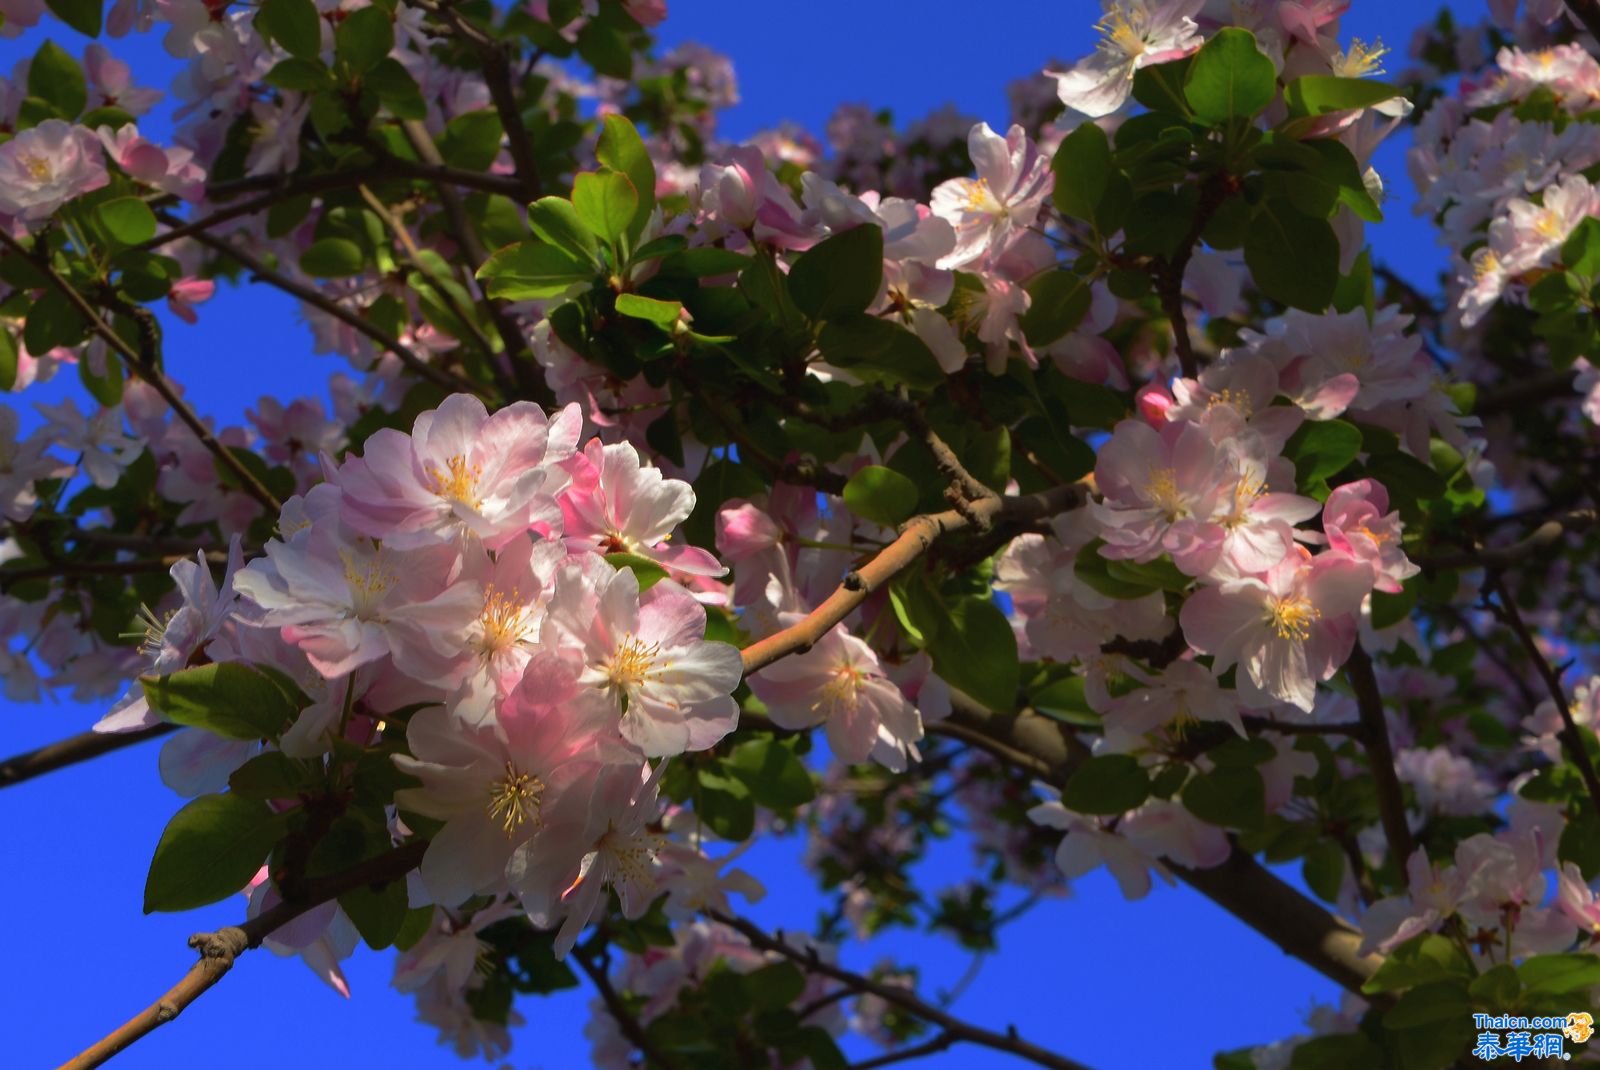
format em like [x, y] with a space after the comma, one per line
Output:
[1133, 34]
[1013, 181]
[44, 167]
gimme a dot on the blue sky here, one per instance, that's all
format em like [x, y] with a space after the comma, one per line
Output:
[1107, 982]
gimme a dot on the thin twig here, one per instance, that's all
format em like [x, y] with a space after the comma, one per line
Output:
[626, 1021]
[1571, 738]
[940, 1042]
[903, 998]
[146, 370]
[1534, 544]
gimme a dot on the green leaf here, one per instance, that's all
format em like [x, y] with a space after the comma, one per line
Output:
[53, 320]
[1081, 165]
[294, 24]
[472, 139]
[1426, 1004]
[1323, 869]
[1059, 301]
[378, 915]
[645, 570]
[1580, 843]
[700, 263]
[300, 75]
[662, 313]
[56, 78]
[1498, 986]
[840, 275]
[363, 39]
[82, 15]
[876, 350]
[9, 355]
[605, 201]
[127, 219]
[1293, 258]
[105, 387]
[975, 650]
[1232, 797]
[333, 258]
[209, 851]
[556, 221]
[1321, 448]
[881, 495]
[1230, 78]
[398, 91]
[533, 271]
[775, 776]
[1581, 251]
[725, 805]
[1094, 570]
[622, 149]
[1559, 975]
[272, 775]
[1405, 477]
[1106, 784]
[229, 698]
[1319, 94]
[1066, 701]
[1420, 960]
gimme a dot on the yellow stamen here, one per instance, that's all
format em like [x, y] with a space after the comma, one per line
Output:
[368, 585]
[1161, 487]
[842, 693]
[1359, 60]
[504, 620]
[1292, 617]
[514, 799]
[632, 664]
[458, 482]
[1122, 29]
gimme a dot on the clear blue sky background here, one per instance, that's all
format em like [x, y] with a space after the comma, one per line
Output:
[1108, 982]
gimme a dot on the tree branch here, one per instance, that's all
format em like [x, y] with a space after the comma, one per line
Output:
[73, 749]
[1571, 738]
[344, 315]
[904, 999]
[1374, 739]
[625, 1019]
[941, 1042]
[916, 536]
[1534, 544]
[147, 371]
[218, 950]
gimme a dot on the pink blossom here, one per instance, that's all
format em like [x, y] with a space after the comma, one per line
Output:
[1013, 181]
[616, 504]
[840, 684]
[670, 688]
[460, 472]
[47, 165]
[185, 294]
[1150, 480]
[1357, 522]
[1287, 628]
[1133, 34]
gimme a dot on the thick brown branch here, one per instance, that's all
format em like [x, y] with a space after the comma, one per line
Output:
[219, 949]
[1241, 885]
[916, 535]
[906, 1000]
[73, 749]
[1380, 755]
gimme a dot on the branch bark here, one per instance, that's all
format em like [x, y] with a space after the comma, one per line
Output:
[73, 749]
[1534, 544]
[218, 950]
[916, 536]
[1380, 755]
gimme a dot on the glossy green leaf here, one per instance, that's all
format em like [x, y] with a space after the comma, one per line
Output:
[1082, 165]
[1106, 784]
[775, 776]
[556, 221]
[1293, 258]
[646, 571]
[209, 850]
[533, 271]
[333, 258]
[622, 149]
[976, 650]
[230, 699]
[55, 77]
[605, 202]
[363, 39]
[82, 15]
[1233, 797]
[662, 313]
[294, 25]
[1230, 78]
[1322, 448]
[127, 219]
[1319, 94]
[840, 275]
[881, 495]
[1058, 302]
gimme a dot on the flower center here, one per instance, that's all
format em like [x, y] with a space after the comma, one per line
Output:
[980, 198]
[1122, 29]
[38, 167]
[368, 584]
[632, 663]
[1161, 487]
[504, 620]
[514, 799]
[1293, 616]
[154, 634]
[1547, 223]
[1360, 60]
[842, 692]
[1238, 399]
[1485, 264]
[457, 481]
